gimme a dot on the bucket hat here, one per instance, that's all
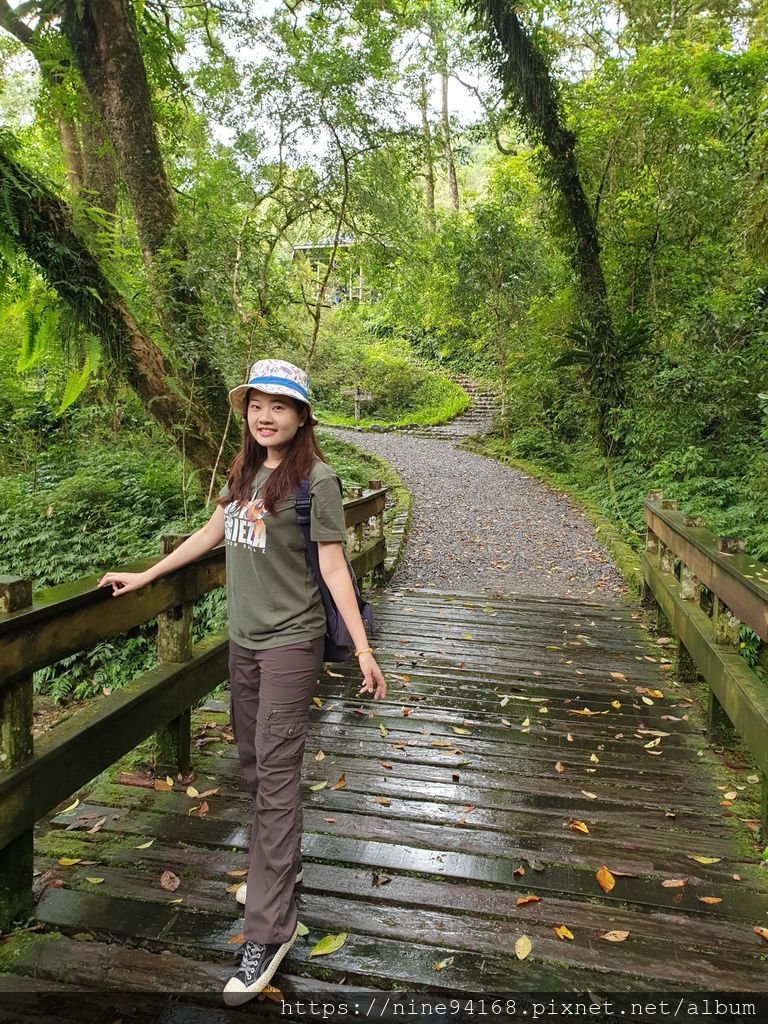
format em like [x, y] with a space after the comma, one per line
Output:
[275, 377]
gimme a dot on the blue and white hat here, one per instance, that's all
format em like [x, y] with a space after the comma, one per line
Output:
[275, 377]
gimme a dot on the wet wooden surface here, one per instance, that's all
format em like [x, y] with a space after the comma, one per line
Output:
[461, 796]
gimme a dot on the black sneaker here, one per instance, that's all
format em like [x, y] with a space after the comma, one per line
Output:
[257, 966]
[240, 894]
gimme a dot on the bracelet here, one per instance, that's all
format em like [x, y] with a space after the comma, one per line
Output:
[365, 650]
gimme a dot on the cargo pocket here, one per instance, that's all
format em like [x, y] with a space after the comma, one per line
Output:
[286, 735]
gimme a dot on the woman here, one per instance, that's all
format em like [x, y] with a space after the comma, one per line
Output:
[276, 627]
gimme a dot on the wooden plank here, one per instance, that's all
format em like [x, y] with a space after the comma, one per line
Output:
[95, 737]
[374, 553]
[360, 510]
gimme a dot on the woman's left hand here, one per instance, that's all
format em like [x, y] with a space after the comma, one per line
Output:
[373, 680]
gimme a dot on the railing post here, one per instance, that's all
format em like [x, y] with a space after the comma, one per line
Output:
[725, 630]
[647, 598]
[16, 747]
[174, 644]
[378, 576]
[354, 533]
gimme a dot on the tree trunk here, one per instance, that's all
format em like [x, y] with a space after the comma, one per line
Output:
[526, 77]
[41, 225]
[429, 164]
[450, 166]
[100, 177]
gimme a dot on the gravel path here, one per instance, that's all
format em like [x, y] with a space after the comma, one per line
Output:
[479, 526]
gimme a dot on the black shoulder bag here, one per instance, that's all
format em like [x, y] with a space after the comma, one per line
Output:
[338, 642]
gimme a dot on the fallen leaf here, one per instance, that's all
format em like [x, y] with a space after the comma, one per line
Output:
[210, 792]
[703, 860]
[762, 932]
[238, 874]
[161, 785]
[675, 883]
[578, 826]
[614, 936]
[170, 881]
[615, 703]
[562, 932]
[144, 846]
[96, 828]
[523, 947]
[730, 796]
[460, 731]
[94, 881]
[654, 693]
[234, 887]
[71, 807]
[709, 899]
[605, 879]
[67, 862]
[333, 675]
[467, 636]
[594, 759]
[618, 675]
[236, 940]
[317, 702]
[301, 929]
[559, 766]
[519, 872]
[329, 944]
[377, 800]
[179, 900]
[377, 879]
[331, 821]
[444, 963]
[341, 782]
[318, 785]
[383, 729]
[405, 711]
[525, 900]
[646, 700]
[192, 792]
[589, 796]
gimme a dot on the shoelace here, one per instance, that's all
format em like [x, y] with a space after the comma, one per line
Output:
[249, 955]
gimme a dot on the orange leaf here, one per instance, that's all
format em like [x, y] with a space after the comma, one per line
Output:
[236, 940]
[614, 936]
[763, 932]
[619, 676]
[578, 826]
[559, 766]
[170, 881]
[709, 899]
[524, 900]
[674, 883]
[605, 879]
[340, 783]
[378, 800]
[331, 820]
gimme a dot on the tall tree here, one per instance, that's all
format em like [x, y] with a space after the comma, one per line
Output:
[527, 82]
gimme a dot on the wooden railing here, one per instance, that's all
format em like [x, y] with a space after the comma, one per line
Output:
[36, 632]
[705, 588]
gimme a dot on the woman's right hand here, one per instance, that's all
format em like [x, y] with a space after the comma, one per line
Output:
[122, 582]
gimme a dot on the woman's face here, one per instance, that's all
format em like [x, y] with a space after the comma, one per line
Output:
[273, 421]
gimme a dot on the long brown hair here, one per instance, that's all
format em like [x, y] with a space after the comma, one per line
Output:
[282, 482]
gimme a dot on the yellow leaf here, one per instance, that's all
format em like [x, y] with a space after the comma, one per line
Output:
[709, 899]
[589, 796]
[654, 693]
[614, 936]
[319, 785]
[192, 792]
[144, 846]
[605, 878]
[319, 755]
[563, 933]
[169, 781]
[95, 881]
[317, 702]
[619, 676]
[301, 928]
[526, 723]
[467, 636]
[523, 947]
[615, 703]
[583, 711]
[731, 796]
[234, 887]
[578, 826]
[67, 862]
[444, 963]
[703, 860]
[71, 807]
[460, 731]
[238, 874]
[329, 944]
[383, 729]
[647, 700]
[179, 900]
[333, 675]
[594, 759]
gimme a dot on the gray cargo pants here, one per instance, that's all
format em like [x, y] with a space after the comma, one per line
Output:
[270, 696]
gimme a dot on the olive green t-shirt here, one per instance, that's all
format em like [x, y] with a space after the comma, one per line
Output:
[272, 596]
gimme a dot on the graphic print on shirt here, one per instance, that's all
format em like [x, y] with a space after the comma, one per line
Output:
[244, 524]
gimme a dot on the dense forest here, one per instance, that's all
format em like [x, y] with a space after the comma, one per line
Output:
[568, 201]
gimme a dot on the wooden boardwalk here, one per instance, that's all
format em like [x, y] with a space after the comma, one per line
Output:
[526, 743]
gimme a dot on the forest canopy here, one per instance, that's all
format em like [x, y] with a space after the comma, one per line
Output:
[568, 200]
